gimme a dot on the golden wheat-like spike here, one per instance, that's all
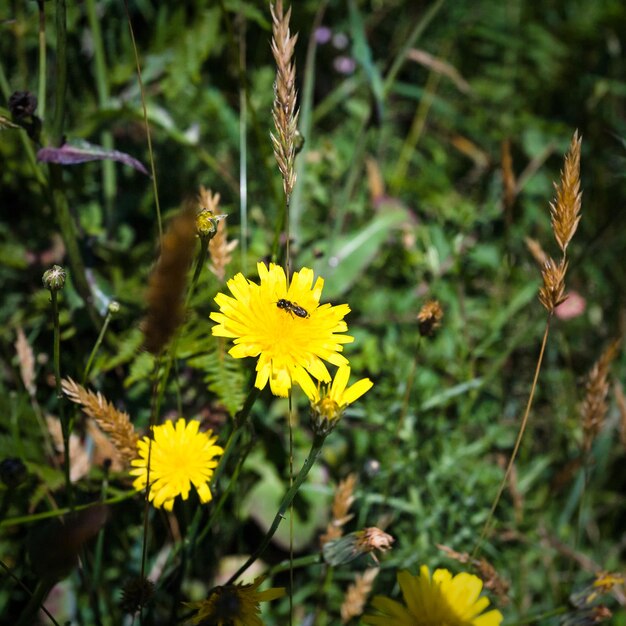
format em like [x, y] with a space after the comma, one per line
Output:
[26, 359]
[357, 594]
[536, 250]
[208, 201]
[220, 250]
[552, 293]
[116, 424]
[168, 282]
[565, 208]
[342, 501]
[594, 406]
[284, 110]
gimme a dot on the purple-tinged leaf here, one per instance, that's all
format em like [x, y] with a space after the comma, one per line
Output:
[82, 151]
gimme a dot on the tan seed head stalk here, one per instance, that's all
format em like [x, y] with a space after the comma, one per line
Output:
[564, 215]
[344, 497]
[116, 424]
[565, 208]
[594, 406]
[284, 110]
[357, 594]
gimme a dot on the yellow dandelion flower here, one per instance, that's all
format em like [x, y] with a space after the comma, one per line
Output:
[180, 456]
[328, 402]
[234, 605]
[442, 599]
[284, 325]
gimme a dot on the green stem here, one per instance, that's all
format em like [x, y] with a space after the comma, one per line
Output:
[68, 232]
[416, 33]
[41, 89]
[303, 561]
[541, 617]
[29, 519]
[102, 87]
[146, 123]
[200, 260]
[112, 309]
[316, 449]
[518, 440]
[60, 72]
[66, 425]
[9, 573]
[27, 618]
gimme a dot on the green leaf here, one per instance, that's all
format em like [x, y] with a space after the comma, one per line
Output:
[363, 54]
[353, 253]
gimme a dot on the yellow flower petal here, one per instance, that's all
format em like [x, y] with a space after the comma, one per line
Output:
[180, 457]
[442, 599]
[300, 335]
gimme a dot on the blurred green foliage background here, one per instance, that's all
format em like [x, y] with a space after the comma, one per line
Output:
[400, 197]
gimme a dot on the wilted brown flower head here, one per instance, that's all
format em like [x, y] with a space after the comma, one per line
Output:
[135, 594]
[429, 318]
[370, 539]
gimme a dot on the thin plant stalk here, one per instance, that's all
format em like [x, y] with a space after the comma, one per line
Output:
[41, 86]
[314, 453]
[518, 440]
[145, 119]
[98, 343]
[109, 182]
[60, 72]
[66, 426]
[243, 150]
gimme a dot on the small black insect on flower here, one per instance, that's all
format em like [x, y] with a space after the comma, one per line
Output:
[292, 308]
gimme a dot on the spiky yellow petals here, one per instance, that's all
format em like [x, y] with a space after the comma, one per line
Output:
[329, 402]
[180, 456]
[284, 325]
[433, 601]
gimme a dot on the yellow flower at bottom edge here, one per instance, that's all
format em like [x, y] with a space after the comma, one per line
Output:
[443, 600]
[180, 457]
[234, 605]
[284, 325]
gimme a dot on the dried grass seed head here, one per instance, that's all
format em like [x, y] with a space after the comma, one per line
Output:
[116, 424]
[284, 110]
[594, 406]
[552, 293]
[565, 208]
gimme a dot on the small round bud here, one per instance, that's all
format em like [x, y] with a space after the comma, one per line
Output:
[114, 307]
[54, 278]
[207, 223]
[12, 472]
[22, 104]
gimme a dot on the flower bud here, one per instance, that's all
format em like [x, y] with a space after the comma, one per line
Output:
[54, 278]
[22, 104]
